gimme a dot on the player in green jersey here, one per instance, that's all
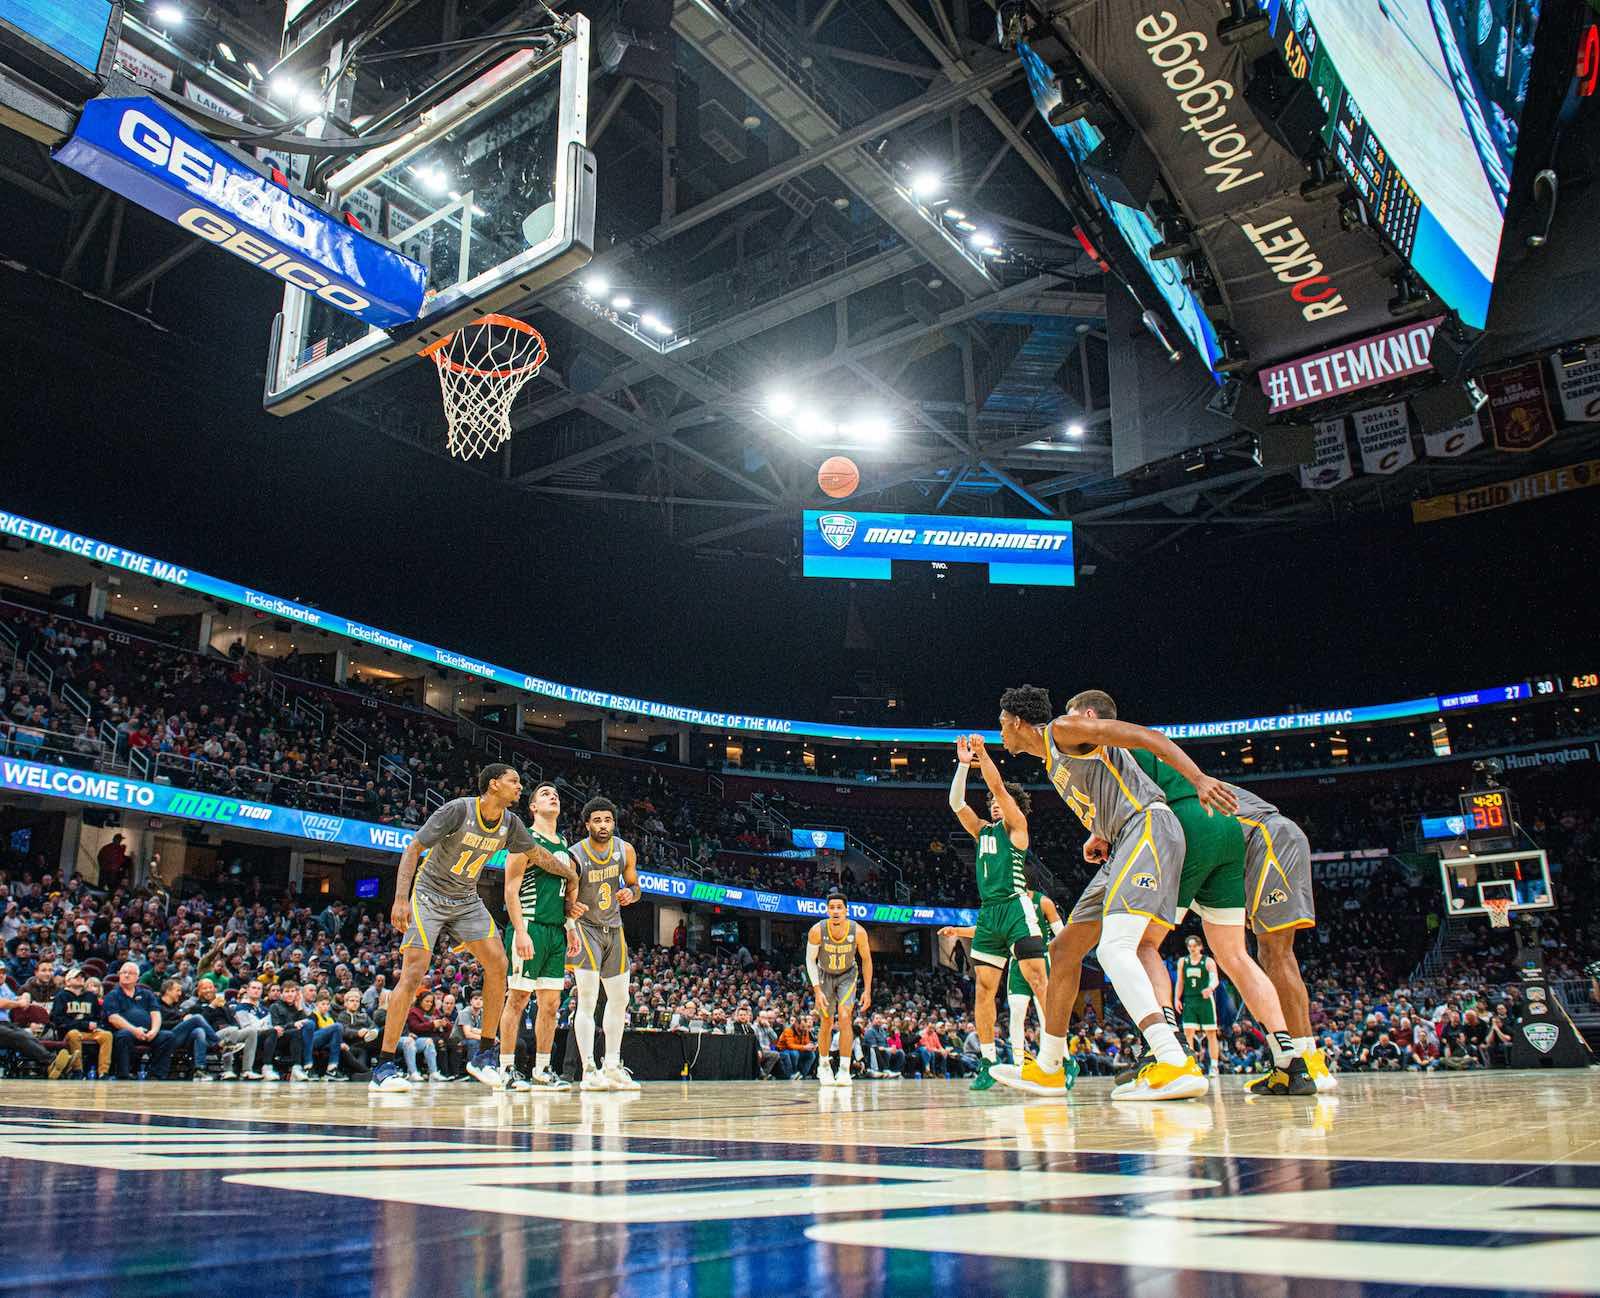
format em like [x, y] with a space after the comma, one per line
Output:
[539, 906]
[1009, 926]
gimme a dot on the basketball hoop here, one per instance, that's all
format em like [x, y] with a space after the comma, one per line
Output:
[1499, 911]
[482, 367]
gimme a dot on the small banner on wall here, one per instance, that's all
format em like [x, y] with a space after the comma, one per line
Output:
[1332, 465]
[1519, 407]
[1384, 435]
[1464, 435]
[1579, 386]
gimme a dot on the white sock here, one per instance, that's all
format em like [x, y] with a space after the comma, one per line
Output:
[1018, 1006]
[507, 1062]
[986, 1049]
[541, 1062]
[1284, 1051]
[1305, 1045]
[1164, 1042]
[615, 1019]
[1051, 1050]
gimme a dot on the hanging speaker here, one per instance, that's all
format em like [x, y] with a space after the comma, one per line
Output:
[1438, 407]
[1286, 106]
[1122, 167]
[1286, 446]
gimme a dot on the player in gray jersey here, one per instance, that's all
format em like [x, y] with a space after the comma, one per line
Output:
[597, 951]
[1278, 901]
[1086, 757]
[436, 900]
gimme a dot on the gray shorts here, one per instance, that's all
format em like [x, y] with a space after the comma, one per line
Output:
[1141, 875]
[1277, 875]
[464, 919]
[600, 949]
[838, 991]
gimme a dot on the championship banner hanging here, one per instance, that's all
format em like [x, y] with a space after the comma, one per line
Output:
[1466, 434]
[1332, 465]
[1519, 407]
[1384, 435]
[1579, 386]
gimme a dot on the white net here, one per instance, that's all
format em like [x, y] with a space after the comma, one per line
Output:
[1499, 911]
[482, 367]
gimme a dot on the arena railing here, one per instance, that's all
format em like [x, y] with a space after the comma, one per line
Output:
[58, 747]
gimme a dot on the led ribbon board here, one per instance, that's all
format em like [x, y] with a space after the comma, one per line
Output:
[136, 148]
[1019, 551]
[115, 556]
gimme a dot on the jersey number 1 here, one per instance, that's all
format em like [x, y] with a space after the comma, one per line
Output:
[469, 865]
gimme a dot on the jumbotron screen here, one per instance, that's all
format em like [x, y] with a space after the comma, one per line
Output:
[1424, 99]
[1138, 231]
[74, 29]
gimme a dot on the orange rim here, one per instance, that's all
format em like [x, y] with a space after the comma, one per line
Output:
[540, 356]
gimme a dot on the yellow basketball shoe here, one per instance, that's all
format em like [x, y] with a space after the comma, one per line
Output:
[1321, 1074]
[1158, 1081]
[1032, 1078]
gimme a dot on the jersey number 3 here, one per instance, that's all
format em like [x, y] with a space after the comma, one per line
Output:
[603, 897]
[470, 865]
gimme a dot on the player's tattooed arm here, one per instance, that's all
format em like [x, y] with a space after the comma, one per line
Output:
[556, 863]
[1072, 733]
[400, 912]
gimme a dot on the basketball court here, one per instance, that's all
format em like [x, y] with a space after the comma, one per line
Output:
[1389, 1185]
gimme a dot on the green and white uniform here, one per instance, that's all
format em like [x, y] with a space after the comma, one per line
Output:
[544, 912]
[1193, 978]
[1212, 881]
[1113, 798]
[1016, 984]
[1008, 919]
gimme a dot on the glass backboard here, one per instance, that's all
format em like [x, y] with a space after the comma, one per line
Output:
[1521, 878]
[492, 192]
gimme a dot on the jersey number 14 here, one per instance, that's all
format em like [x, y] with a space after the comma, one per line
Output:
[469, 865]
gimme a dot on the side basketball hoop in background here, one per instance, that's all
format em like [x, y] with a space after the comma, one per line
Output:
[482, 367]
[1498, 910]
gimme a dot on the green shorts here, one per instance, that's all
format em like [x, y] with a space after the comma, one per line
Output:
[1008, 928]
[547, 970]
[1199, 1012]
[1212, 881]
[1016, 984]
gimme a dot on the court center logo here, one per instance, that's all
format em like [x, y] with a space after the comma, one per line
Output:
[837, 529]
[1541, 1036]
[325, 829]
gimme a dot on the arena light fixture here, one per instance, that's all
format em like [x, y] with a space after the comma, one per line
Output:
[955, 214]
[1074, 430]
[169, 14]
[869, 428]
[621, 302]
[780, 405]
[982, 240]
[286, 88]
[965, 226]
[927, 185]
[226, 50]
[655, 324]
[810, 424]
[255, 72]
[596, 286]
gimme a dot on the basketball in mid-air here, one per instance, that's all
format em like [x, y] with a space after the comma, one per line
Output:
[838, 476]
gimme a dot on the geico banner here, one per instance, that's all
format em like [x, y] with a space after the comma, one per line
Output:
[142, 151]
[1293, 276]
[1019, 551]
[97, 790]
[781, 903]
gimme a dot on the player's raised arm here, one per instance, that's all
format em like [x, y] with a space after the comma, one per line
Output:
[970, 820]
[1011, 814]
[1072, 732]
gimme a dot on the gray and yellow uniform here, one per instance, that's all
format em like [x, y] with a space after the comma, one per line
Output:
[1112, 797]
[457, 845]
[1213, 848]
[544, 912]
[837, 970]
[601, 944]
[1194, 977]
[1008, 920]
[1016, 984]
[1277, 867]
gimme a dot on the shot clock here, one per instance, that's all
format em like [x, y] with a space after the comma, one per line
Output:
[1490, 820]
